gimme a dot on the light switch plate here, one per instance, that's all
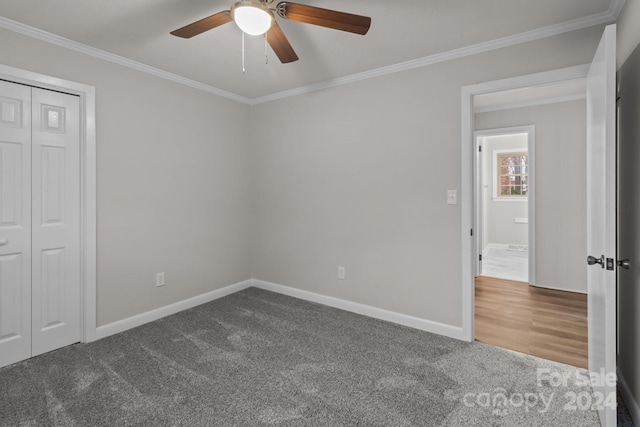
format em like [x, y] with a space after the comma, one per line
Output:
[452, 197]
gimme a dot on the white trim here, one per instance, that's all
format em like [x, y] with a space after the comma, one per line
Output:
[88, 182]
[365, 310]
[479, 205]
[494, 170]
[575, 291]
[467, 160]
[501, 246]
[530, 131]
[527, 36]
[531, 103]
[629, 400]
[467, 204]
[150, 316]
[537, 79]
[615, 8]
[509, 199]
[47, 37]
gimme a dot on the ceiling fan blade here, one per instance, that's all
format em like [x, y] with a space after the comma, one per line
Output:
[324, 17]
[280, 45]
[203, 25]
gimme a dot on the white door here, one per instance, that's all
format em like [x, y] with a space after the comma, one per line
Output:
[39, 221]
[601, 224]
[55, 220]
[15, 222]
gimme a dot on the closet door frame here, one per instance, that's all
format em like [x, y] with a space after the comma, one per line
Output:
[87, 183]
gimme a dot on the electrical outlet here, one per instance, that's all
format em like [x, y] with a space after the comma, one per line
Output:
[341, 273]
[160, 279]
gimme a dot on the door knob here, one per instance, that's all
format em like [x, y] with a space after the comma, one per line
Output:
[591, 260]
[624, 263]
[4, 242]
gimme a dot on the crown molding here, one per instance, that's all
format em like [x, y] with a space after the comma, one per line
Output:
[528, 36]
[615, 8]
[540, 33]
[47, 37]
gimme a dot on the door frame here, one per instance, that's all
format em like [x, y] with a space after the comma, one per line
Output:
[88, 221]
[467, 165]
[478, 228]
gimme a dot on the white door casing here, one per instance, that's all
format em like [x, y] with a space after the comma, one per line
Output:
[467, 176]
[56, 293]
[478, 227]
[15, 222]
[47, 214]
[601, 222]
[88, 166]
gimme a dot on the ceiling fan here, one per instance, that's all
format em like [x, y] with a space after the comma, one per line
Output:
[255, 17]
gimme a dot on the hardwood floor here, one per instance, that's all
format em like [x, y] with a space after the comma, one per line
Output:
[537, 321]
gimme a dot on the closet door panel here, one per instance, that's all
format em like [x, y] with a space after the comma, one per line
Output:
[15, 222]
[56, 220]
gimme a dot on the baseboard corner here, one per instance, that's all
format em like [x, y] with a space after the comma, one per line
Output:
[158, 313]
[365, 310]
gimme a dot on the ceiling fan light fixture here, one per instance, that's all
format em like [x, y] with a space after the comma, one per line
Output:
[251, 16]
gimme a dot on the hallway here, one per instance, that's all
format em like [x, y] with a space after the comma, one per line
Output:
[506, 263]
[541, 322]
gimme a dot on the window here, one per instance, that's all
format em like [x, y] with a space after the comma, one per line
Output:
[512, 173]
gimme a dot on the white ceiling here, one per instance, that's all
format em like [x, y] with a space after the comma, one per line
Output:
[402, 30]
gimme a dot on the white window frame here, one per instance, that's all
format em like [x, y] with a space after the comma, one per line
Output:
[496, 197]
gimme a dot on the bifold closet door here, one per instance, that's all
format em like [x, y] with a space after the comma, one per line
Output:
[40, 295]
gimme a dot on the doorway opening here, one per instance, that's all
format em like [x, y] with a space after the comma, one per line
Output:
[599, 148]
[505, 203]
[519, 301]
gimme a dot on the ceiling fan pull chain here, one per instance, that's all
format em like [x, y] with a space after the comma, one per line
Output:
[242, 52]
[266, 52]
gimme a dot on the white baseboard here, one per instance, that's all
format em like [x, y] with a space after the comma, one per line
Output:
[632, 405]
[575, 291]
[365, 310]
[503, 246]
[159, 313]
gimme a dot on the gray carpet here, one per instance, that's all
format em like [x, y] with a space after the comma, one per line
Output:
[258, 358]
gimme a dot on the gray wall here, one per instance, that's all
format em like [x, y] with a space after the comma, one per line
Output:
[499, 225]
[357, 176]
[629, 206]
[560, 195]
[628, 30]
[354, 175]
[173, 181]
